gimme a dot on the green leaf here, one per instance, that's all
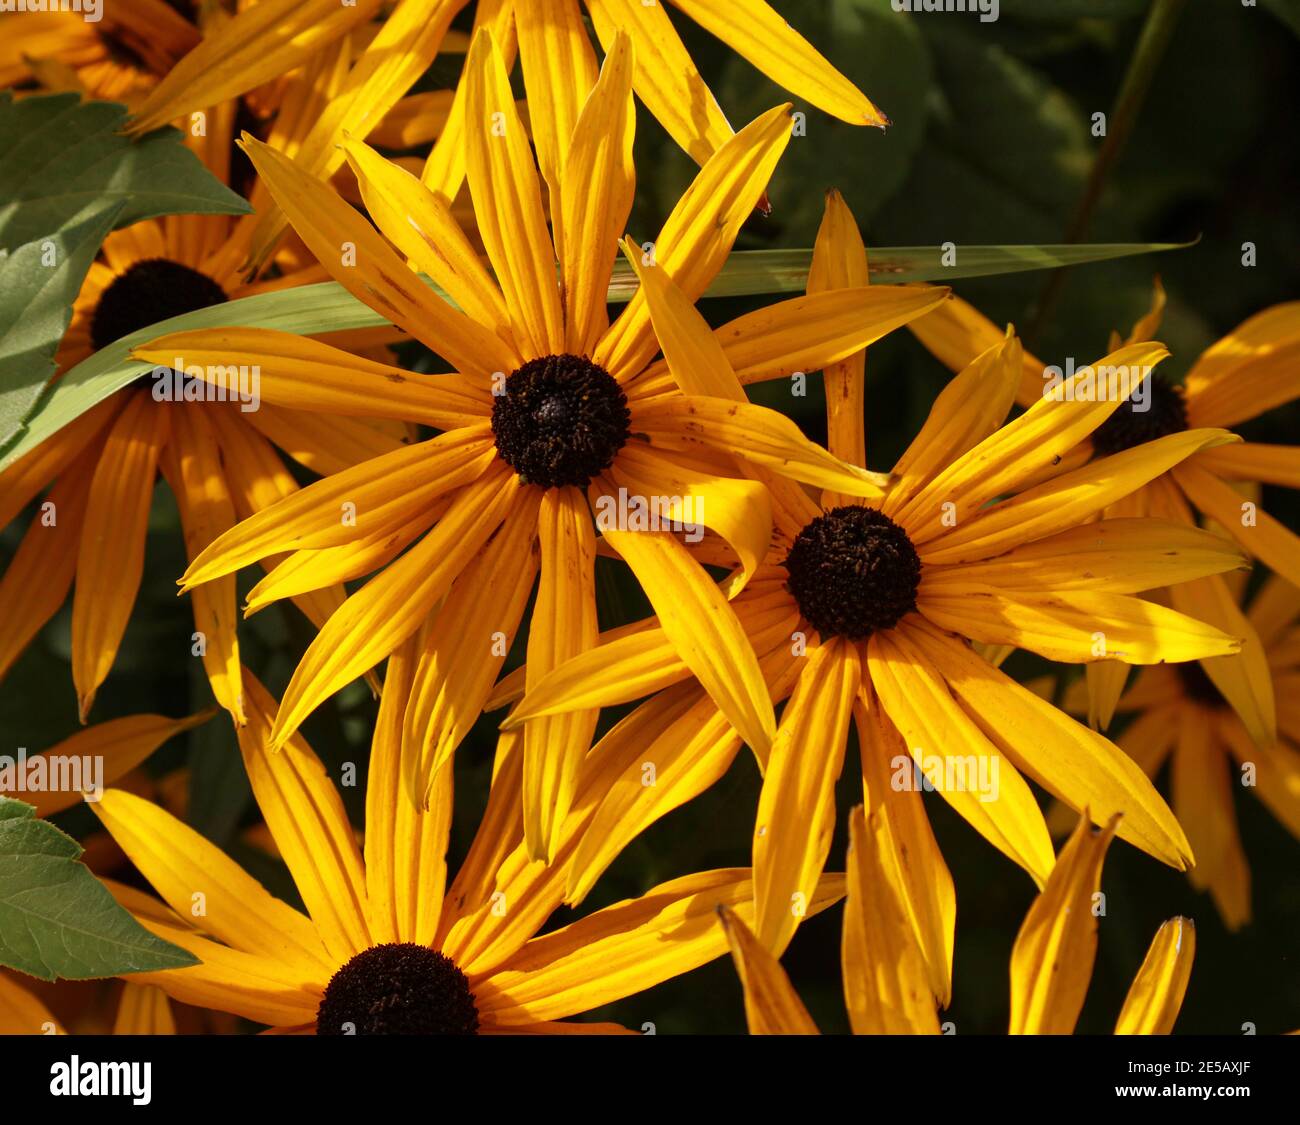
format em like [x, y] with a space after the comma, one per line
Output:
[59, 155]
[57, 919]
[328, 307]
[38, 283]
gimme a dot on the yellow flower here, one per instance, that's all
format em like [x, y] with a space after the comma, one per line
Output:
[386, 945]
[119, 57]
[885, 984]
[880, 602]
[217, 457]
[552, 409]
[1250, 371]
[1201, 718]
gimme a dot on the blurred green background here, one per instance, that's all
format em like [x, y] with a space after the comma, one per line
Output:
[990, 144]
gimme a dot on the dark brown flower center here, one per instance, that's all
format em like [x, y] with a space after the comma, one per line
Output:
[560, 420]
[1157, 410]
[149, 291]
[399, 988]
[853, 571]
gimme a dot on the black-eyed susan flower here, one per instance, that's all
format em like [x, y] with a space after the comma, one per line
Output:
[543, 418]
[1201, 718]
[98, 473]
[388, 943]
[886, 990]
[884, 599]
[119, 57]
[1248, 372]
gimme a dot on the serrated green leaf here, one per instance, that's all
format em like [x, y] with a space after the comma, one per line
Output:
[328, 307]
[38, 283]
[60, 155]
[57, 919]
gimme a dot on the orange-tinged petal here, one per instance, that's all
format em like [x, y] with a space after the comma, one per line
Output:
[1051, 962]
[200, 882]
[508, 203]
[144, 1010]
[300, 373]
[756, 32]
[703, 627]
[110, 561]
[796, 808]
[563, 625]
[359, 259]
[699, 234]
[304, 811]
[22, 1013]
[772, 1007]
[665, 78]
[376, 496]
[886, 982]
[967, 769]
[1080, 766]
[391, 606]
[624, 948]
[594, 197]
[1157, 992]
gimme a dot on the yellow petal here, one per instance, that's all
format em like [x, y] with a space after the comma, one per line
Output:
[398, 54]
[796, 808]
[119, 745]
[304, 811]
[1250, 371]
[1157, 992]
[262, 42]
[1051, 962]
[360, 260]
[144, 1010]
[422, 226]
[1254, 461]
[1067, 759]
[22, 1013]
[968, 410]
[201, 883]
[703, 627]
[1065, 501]
[1244, 679]
[466, 641]
[192, 464]
[886, 983]
[376, 496]
[839, 261]
[699, 234]
[738, 510]
[802, 334]
[759, 435]
[665, 78]
[754, 31]
[391, 606]
[300, 373]
[110, 561]
[1261, 534]
[595, 196]
[1115, 556]
[1075, 626]
[508, 203]
[563, 625]
[908, 854]
[955, 755]
[772, 1007]
[559, 72]
[406, 845]
[1039, 437]
[625, 948]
